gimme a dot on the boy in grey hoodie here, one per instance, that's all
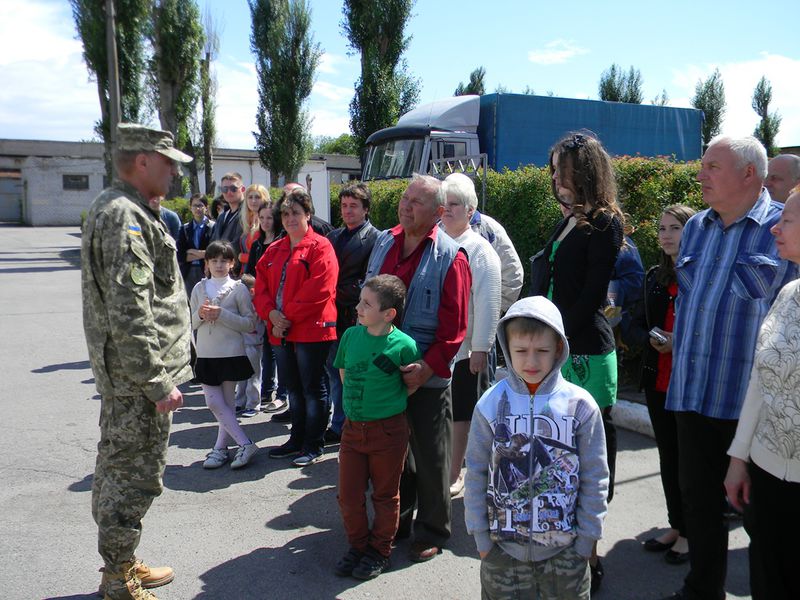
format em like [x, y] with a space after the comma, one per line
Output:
[537, 477]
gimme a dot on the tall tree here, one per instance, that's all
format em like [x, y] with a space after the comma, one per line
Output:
[177, 38]
[617, 86]
[385, 90]
[208, 90]
[286, 59]
[661, 99]
[343, 144]
[767, 129]
[475, 84]
[90, 23]
[709, 96]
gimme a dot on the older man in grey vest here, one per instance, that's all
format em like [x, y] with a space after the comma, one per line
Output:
[436, 272]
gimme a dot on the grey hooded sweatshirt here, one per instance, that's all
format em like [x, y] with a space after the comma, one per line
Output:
[537, 476]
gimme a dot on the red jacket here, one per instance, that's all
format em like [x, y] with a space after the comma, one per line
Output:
[309, 290]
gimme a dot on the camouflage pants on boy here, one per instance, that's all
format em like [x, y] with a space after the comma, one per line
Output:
[562, 577]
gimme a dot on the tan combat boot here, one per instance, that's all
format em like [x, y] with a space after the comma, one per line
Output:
[148, 577]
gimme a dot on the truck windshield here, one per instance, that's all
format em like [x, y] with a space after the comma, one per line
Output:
[394, 158]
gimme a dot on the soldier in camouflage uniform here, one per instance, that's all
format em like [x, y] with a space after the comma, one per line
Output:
[136, 322]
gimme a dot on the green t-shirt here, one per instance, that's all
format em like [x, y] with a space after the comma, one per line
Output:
[373, 385]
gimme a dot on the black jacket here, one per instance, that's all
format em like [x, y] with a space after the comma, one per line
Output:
[185, 242]
[650, 312]
[353, 257]
[580, 273]
[256, 252]
[228, 227]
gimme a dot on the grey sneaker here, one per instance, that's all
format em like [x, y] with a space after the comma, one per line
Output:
[243, 455]
[306, 459]
[216, 458]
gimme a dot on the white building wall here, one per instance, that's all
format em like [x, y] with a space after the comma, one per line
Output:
[45, 201]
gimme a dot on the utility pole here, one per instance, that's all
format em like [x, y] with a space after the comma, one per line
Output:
[113, 80]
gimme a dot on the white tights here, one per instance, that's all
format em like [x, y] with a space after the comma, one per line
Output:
[220, 399]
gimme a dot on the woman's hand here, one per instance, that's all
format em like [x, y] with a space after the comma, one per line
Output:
[211, 312]
[666, 347]
[737, 484]
[279, 320]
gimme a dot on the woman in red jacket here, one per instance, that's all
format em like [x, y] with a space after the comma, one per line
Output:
[295, 295]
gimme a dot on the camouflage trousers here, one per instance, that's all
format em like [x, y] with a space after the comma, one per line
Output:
[131, 458]
[562, 577]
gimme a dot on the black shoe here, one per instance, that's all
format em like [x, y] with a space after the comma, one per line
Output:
[284, 451]
[284, 417]
[597, 575]
[331, 437]
[653, 545]
[676, 558]
[372, 564]
[345, 565]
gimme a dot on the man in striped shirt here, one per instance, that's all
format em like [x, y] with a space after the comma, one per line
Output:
[729, 273]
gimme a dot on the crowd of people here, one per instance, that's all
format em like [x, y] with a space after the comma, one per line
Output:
[385, 343]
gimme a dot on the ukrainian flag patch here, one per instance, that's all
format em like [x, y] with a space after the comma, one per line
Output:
[135, 230]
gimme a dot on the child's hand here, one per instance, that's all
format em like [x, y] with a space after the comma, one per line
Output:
[212, 313]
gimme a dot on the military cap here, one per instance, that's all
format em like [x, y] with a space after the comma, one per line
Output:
[132, 137]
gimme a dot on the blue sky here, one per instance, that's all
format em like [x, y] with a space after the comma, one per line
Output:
[551, 47]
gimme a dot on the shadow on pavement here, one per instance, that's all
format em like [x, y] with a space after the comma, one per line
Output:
[70, 366]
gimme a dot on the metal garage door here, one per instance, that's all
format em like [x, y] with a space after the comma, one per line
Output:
[10, 195]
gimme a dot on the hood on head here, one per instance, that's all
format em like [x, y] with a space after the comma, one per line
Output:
[533, 307]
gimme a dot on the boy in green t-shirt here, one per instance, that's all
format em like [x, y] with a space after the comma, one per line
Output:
[375, 433]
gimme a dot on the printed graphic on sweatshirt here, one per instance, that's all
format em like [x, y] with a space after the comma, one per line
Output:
[533, 477]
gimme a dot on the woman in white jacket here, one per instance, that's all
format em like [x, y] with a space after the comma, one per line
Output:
[768, 434]
[471, 371]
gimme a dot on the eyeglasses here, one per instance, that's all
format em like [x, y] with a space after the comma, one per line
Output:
[230, 188]
[197, 206]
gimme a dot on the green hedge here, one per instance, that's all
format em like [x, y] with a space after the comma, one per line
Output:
[523, 202]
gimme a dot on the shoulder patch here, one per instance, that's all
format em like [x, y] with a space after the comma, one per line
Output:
[135, 230]
[139, 274]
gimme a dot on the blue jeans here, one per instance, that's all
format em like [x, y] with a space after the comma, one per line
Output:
[270, 382]
[335, 388]
[301, 367]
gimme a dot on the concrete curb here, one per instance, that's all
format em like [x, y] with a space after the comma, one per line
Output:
[632, 416]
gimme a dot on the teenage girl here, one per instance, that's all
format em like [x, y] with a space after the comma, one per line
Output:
[221, 312]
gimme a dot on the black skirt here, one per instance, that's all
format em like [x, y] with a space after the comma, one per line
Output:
[213, 371]
[467, 389]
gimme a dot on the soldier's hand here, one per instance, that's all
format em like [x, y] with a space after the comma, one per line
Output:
[170, 402]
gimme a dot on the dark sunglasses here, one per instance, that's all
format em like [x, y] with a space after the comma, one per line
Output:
[577, 141]
[230, 188]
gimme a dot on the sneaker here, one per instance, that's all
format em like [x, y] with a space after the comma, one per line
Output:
[371, 565]
[251, 412]
[216, 458]
[345, 565]
[284, 417]
[243, 455]
[149, 577]
[306, 459]
[331, 437]
[457, 487]
[274, 405]
[239, 410]
[284, 451]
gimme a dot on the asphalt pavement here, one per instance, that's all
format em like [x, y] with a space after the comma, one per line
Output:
[266, 531]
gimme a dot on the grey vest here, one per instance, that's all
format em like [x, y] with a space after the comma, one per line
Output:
[421, 313]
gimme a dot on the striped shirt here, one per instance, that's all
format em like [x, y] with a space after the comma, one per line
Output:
[727, 280]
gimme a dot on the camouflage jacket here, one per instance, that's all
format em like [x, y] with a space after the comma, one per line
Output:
[135, 312]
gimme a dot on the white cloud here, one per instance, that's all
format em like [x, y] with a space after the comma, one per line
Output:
[333, 92]
[740, 80]
[556, 52]
[330, 63]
